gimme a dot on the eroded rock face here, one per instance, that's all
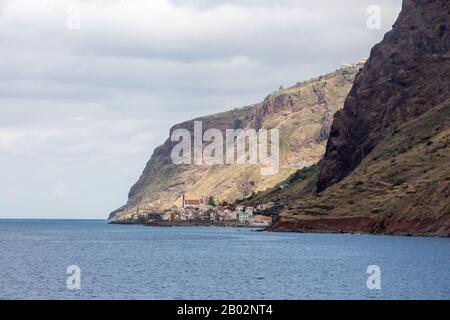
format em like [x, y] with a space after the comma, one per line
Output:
[387, 163]
[303, 114]
[392, 226]
[406, 75]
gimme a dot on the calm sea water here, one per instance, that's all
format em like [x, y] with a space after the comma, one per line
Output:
[136, 262]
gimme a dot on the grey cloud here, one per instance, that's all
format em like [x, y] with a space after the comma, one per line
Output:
[81, 111]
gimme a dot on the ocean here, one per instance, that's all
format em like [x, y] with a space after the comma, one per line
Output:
[137, 262]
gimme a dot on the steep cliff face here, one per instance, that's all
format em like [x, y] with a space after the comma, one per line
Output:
[406, 75]
[303, 114]
[387, 162]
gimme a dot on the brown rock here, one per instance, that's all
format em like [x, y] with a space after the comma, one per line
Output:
[406, 75]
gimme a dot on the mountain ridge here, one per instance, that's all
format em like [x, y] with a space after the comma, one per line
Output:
[386, 168]
[303, 113]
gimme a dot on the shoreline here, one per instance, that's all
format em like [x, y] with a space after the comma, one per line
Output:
[276, 228]
[191, 223]
[397, 226]
[195, 223]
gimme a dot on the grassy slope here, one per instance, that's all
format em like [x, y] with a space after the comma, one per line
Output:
[406, 177]
[303, 113]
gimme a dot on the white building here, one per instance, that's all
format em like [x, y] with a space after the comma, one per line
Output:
[245, 217]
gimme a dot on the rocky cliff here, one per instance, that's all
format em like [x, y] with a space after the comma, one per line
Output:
[387, 163]
[303, 113]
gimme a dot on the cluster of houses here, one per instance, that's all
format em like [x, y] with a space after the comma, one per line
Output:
[198, 211]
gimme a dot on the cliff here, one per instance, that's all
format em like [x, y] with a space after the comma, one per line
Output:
[386, 168]
[303, 113]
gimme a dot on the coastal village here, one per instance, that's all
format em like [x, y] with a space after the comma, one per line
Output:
[205, 212]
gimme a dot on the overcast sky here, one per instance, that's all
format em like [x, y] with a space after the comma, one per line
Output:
[81, 110]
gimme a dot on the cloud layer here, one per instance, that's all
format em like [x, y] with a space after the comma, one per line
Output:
[81, 110]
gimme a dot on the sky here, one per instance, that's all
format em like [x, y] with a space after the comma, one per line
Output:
[89, 88]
